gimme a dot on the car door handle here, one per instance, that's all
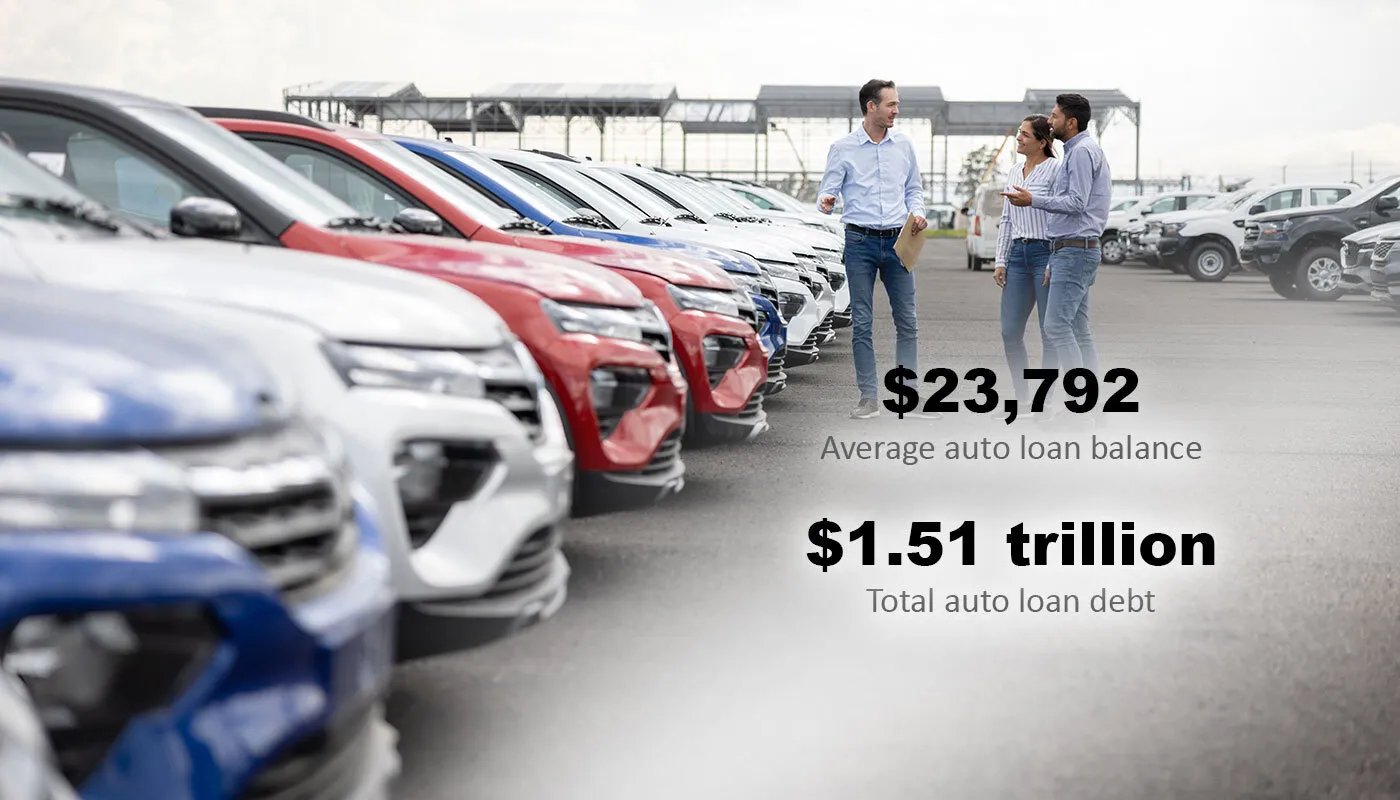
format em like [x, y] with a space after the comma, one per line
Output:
[1363, 221]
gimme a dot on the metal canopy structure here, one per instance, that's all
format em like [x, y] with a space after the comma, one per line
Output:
[506, 108]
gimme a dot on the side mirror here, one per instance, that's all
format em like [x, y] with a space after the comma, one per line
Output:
[419, 220]
[205, 218]
[1387, 203]
[1257, 208]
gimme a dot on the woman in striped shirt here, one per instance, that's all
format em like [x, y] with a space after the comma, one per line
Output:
[1023, 251]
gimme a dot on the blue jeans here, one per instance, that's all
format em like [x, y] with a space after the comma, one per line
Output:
[1025, 289]
[1072, 272]
[866, 257]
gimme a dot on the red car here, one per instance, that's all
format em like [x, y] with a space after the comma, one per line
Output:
[714, 325]
[603, 349]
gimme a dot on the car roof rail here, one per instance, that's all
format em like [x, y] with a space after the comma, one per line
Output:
[552, 154]
[260, 114]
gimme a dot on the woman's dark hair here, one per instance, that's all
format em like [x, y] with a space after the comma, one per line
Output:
[1040, 126]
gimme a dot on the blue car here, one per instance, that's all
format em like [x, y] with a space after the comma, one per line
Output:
[194, 598]
[505, 188]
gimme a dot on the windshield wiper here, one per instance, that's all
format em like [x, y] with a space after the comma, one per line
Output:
[689, 217]
[591, 222]
[655, 221]
[738, 217]
[363, 224]
[90, 213]
[525, 225]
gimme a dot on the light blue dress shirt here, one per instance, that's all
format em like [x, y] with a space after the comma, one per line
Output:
[1079, 198]
[879, 184]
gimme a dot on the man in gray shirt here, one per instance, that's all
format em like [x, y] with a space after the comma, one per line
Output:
[1078, 205]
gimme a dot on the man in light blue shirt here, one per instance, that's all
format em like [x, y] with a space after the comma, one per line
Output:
[1078, 204]
[874, 171]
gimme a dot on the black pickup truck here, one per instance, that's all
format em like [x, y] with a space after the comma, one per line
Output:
[1300, 249]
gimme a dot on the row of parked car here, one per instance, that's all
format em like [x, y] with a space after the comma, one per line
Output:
[1314, 241]
[283, 403]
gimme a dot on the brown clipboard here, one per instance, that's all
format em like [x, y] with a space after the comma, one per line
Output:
[909, 244]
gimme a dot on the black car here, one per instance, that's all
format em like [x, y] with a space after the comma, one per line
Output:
[1300, 249]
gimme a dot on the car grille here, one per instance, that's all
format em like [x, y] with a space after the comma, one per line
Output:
[666, 455]
[520, 399]
[330, 765]
[275, 495]
[660, 341]
[1382, 251]
[531, 564]
[769, 292]
[775, 364]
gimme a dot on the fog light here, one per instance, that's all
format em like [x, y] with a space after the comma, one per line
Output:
[433, 477]
[89, 674]
[615, 391]
[722, 353]
[790, 304]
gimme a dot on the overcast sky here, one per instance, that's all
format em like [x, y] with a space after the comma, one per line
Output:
[1227, 86]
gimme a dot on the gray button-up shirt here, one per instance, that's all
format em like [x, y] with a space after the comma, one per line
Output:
[1078, 200]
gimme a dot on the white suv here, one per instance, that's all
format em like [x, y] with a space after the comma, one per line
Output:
[1205, 243]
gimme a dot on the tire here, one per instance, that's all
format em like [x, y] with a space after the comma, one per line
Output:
[1111, 250]
[1319, 274]
[1209, 262]
[969, 260]
[1152, 261]
[1282, 283]
[977, 264]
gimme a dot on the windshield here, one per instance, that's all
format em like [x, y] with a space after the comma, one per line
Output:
[1374, 190]
[22, 176]
[269, 178]
[553, 207]
[650, 204]
[478, 206]
[613, 208]
[677, 190]
[722, 199]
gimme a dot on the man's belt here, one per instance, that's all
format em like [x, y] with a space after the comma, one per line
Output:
[885, 233]
[1084, 243]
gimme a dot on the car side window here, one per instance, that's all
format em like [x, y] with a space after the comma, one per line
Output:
[1280, 201]
[100, 165]
[547, 187]
[365, 193]
[756, 200]
[1197, 200]
[1327, 197]
[1163, 205]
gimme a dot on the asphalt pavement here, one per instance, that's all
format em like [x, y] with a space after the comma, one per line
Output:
[701, 654]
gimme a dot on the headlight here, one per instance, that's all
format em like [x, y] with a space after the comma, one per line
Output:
[121, 491]
[779, 270]
[1273, 228]
[1173, 227]
[462, 373]
[613, 323]
[712, 300]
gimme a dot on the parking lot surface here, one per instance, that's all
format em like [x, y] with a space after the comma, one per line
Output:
[700, 654]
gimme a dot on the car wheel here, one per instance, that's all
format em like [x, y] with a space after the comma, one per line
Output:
[1282, 283]
[977, 264]
[1209, 262]
[1319, 274]
[1111, 250]
[969, 260]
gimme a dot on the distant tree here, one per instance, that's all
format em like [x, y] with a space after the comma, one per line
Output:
[973, 168]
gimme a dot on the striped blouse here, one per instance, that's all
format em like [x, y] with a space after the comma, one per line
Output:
[1027, 222]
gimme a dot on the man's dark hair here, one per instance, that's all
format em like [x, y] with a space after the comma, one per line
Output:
[1075, 106]
[870, 93]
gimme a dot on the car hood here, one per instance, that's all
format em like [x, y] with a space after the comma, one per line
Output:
[345, 299]
[1291, 213]
[1188, 216]
[756, 245]
[728, 260]
[1375, 233]
[669, 267]
[83, 367]
[546, 274]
